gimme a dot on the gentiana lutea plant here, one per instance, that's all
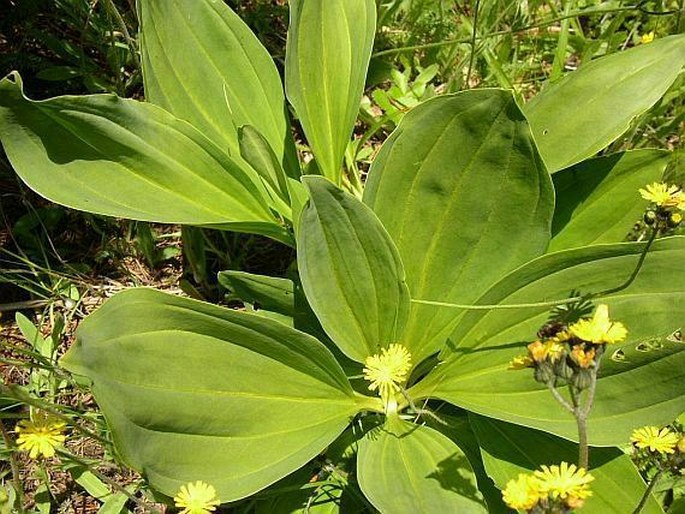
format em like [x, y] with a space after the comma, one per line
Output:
[383, 362]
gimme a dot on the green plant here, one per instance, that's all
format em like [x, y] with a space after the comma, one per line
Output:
[457, 252]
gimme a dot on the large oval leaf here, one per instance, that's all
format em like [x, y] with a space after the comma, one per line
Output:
[586, 110]
[413, 469]
[351, 271]
[192, 391]
[644, 387]
[129, 159]
[463, 193]
[327, 56]
[598, 199]
[204, 65]
[510, 449]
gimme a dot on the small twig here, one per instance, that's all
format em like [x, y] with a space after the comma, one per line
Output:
[14, 466]
[559, 398]
[473, 44]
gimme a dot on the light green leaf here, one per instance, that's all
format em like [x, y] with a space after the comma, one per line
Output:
[129, 159]
[327, 57]
[270, 293]
[350, 271]
[407, 468]
[586, 110]
[258, 153]
[463, 193]
[598, 199]
[192, 391]
[636, 387]
[510, 449]
[204, 65]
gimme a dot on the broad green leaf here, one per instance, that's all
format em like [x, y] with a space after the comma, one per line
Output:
[639, 382]
[463, 193]
[204, 65]
[129, 159]
[193, 391]
[587, 109]
[327, 56]
[270, 293]
[510, 449]
[350, 271]
[598, 199]
[456, 426]
[408, 468]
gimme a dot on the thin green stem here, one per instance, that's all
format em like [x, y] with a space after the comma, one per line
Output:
[112, 483]
[14, 466]
[552, 303]
[635, 272]
[124, 29]
[648, 492]
[551, 21]
[557, 396]
[473, 43]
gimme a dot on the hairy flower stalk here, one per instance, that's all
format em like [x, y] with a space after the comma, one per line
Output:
[388, 372]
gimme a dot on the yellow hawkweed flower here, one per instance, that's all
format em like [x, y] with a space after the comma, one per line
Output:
[540, 351]
[196, 498]
[661, 441]
[647, 38]
[584, 358]
[565, 481]
[663, 195]
[40, 435]
[521, 362]
[599, 329]
[522, 493]
[387, 370]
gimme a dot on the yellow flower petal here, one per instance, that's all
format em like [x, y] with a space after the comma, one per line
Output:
[196, 498]
[564, 481]
[40, 435]
[522, 493]
[657, 441]
[600, 329]
[662, 194]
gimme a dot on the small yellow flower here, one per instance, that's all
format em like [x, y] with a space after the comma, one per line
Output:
[661, 441]
[647, 38]
[40, 435]
[522, 493]
[599, 329]
[387, 370]
[196, 498]
[521, 362]
[584, 358]
[681, 445]
[664, 195]
[565, 481]
[540, 351]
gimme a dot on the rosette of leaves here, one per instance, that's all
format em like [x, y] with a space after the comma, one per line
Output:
[459, 208]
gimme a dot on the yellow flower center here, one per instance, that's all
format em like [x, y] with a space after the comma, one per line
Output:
[387, 371]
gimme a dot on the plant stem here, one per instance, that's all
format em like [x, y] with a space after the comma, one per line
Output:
[473, 44]
[559, 398]
[16, 477]
[648, 492]
[635, 272]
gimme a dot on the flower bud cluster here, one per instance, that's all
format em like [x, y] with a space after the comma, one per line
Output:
[570, 353]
